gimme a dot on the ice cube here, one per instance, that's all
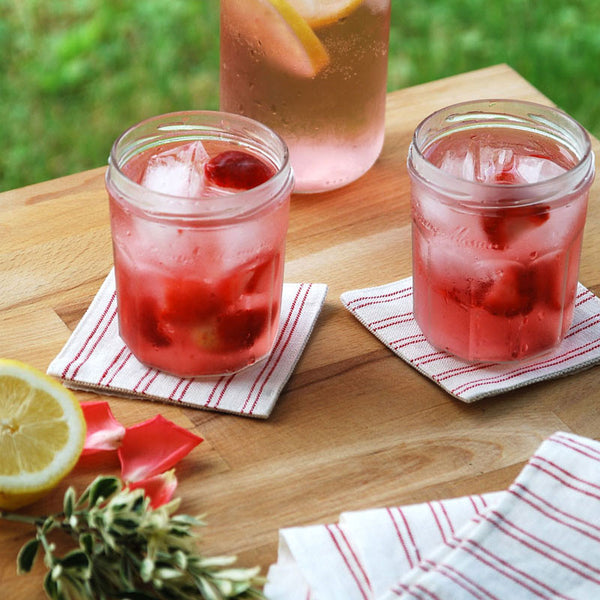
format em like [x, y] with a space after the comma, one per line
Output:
[532, 169]
[178, 171]
[459, 165]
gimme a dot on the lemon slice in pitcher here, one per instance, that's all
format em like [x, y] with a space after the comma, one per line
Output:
[277, 31]
[319, 13]
[42, 432]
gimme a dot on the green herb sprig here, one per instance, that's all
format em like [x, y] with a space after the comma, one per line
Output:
[127, 549]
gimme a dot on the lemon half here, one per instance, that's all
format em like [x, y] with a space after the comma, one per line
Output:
[42, 433]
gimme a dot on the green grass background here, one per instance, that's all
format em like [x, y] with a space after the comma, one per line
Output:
[75, 73]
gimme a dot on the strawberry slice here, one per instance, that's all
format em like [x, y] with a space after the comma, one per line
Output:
[237, 170]
[503, 225]
[253, 277]
[510, 292]
[190, 302]
[241, 328]
[152, 327]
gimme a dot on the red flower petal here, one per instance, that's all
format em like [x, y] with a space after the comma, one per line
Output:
[159, 488]
[152, 447]
[104, 432]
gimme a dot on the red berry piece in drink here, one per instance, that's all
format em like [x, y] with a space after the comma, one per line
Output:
[494, 227]
[240, 329]
[237, 170]
[506, 224]
[152, 328]
[190, 302]
[510, 292]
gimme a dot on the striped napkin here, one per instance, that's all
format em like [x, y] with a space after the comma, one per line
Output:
[538, 539]
[386, 311]
[96, 359]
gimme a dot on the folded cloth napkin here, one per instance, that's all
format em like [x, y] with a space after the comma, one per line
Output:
[95, 358]
[538, 539]
[386, 311]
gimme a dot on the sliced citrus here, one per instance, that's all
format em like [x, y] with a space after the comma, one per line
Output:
[275, 29]
[42, 432]
[319, 13]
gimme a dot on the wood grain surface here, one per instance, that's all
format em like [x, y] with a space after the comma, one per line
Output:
[355, 427]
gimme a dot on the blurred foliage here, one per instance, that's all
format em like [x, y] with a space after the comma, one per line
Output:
[75, 73]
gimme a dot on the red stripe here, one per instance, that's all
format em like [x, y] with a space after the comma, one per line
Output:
[411, 564]
[112, 364]
[586, 524]
[91, 335]
[177, 386]
[429, 593]
[391, 321]
[430, 357]
[408, 340]
[95, 344]
[409, 531]
[539, 459]
[583, 297]
[187, 384]
[415, 590]
[537, 546]
[577, 446]
[228, 379]
[365, 593]
[562, 358]
[277, 343]
[589, 322]
[509, 570]
[449, 521]
[124, 361]
[214, 390]
[276, 361]
[152, 380]
[394, 316]
[146, 374]
[437, 521]
[380, 298]
[463, 581]
[462, 370]
[563, 482]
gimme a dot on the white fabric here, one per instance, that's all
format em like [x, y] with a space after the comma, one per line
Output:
[95, 358]
[538, 539]
[386, 311]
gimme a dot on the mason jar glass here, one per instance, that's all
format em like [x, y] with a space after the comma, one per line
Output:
[199, 205]
[499, 192]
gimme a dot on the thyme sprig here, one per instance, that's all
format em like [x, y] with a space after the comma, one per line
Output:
[127, 549]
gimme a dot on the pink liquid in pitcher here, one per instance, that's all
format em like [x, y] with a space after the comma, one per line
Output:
[497, 283]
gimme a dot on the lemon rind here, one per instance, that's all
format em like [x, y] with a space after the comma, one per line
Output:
[318, 22]
[316, 52]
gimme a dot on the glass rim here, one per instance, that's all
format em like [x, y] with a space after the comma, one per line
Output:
[189, 125]
[578, 143]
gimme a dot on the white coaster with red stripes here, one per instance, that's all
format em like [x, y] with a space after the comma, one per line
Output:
[96, 359]
[538, 539]
[386, 311]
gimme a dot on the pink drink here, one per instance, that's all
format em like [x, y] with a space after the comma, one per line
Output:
[498, 216]
[199, 241]
[330, 106]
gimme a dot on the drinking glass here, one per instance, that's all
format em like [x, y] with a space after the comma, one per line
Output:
[315, 72]
[199, 206]
[499, 200]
